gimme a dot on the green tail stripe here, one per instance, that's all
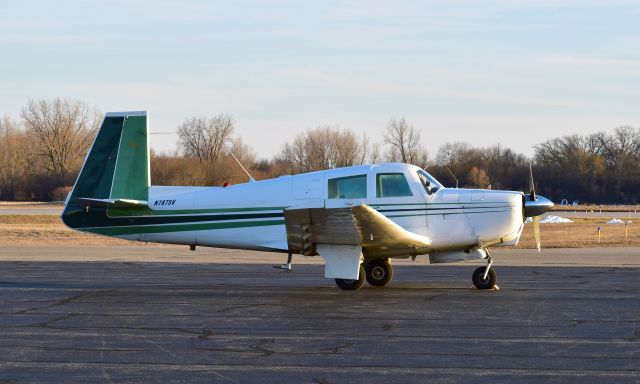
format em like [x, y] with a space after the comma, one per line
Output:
[133, 230]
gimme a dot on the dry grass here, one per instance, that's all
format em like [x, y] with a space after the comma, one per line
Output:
[582, 233]
[30, 205]
[48, 229]
[596, 208]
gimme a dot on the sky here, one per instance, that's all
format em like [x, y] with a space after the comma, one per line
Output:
[485, 72]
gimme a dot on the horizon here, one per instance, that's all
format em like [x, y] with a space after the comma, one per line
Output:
[491, 72]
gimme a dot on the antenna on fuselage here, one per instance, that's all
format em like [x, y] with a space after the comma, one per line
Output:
[241, 166]
[454, 176]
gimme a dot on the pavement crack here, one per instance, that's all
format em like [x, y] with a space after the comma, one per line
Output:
[228, 309]
[338, 349]
[64, 301]
[204, 334]
[54, 320]
[70, 299]
[576, 322]
[259, 347]
[161, 348]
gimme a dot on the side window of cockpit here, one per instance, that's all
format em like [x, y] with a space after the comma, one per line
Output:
[429, 183]
[351, 187]
[392, 185]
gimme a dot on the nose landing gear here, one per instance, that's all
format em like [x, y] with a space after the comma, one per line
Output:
[485, 277]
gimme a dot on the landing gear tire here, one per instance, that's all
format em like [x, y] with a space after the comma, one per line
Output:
[379, 272]
[352, 285]
[480, 282]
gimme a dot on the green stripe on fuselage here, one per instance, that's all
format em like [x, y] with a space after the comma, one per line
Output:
[144, 211]
[465, 212]
[142, 229]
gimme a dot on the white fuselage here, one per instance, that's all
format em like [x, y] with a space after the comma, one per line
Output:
[453, 219]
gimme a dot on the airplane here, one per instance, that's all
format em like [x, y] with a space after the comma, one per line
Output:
[355, 218]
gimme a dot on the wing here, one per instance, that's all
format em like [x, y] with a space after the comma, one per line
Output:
[360, 225]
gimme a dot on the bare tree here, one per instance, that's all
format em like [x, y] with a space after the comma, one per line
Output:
[621, 152]
[452, 157]
[325, 147]
[374, 154]
[478, 178]
[452, 154]
[63, 129]
[205, 138]
[405, 143]
[14, 158]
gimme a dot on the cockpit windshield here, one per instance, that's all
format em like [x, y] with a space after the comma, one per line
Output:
[430, 184]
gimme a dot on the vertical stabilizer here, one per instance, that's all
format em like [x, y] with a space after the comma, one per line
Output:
[116, 167]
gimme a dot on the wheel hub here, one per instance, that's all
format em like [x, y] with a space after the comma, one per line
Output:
[378, 273]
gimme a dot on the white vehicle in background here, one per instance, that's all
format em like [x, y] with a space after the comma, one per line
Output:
[356, 218]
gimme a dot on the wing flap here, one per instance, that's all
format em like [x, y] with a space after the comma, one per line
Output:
[380, 232]
[360, 225]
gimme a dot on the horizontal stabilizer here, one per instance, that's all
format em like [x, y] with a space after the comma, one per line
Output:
[113, 203]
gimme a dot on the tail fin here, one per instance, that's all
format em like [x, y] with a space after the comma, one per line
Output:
[116, 169]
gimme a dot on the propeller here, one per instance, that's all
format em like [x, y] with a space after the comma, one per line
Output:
[536, 230]
[534, 206]
[535, 219]
[532, 187]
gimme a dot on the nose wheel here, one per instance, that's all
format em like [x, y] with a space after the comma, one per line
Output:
[485, 277]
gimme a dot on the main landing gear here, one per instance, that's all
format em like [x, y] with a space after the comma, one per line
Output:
[485, 277]
[377, 272]
[350, 284]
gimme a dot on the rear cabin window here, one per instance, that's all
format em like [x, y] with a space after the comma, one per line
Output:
[351, 187]
[392, 185]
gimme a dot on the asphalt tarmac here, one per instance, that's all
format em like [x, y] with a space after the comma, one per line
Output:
[167, 315]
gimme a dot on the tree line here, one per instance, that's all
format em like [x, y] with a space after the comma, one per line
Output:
[42, 152]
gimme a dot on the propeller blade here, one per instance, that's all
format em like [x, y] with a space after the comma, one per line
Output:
[532, 188]
[536, 230]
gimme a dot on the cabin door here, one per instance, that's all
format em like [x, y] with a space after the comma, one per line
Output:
[399, 197]
[347, 191]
